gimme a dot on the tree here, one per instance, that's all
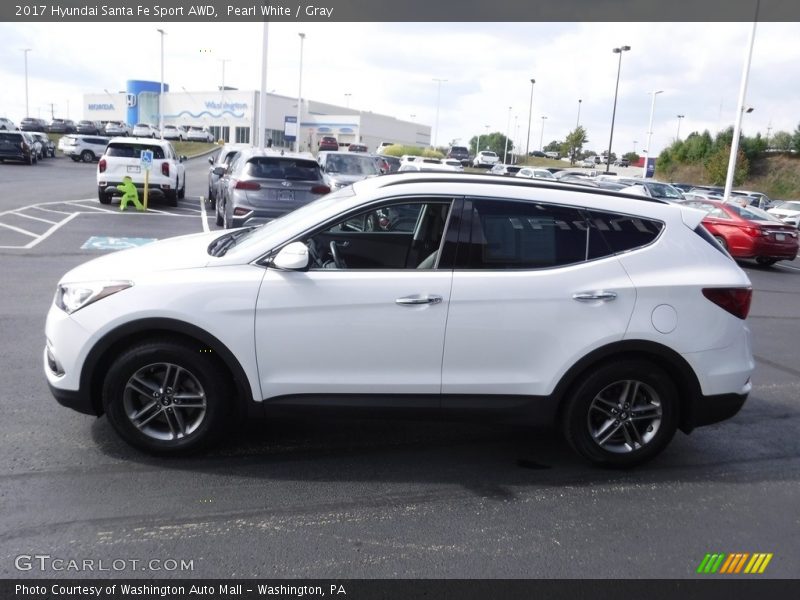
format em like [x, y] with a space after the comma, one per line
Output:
[782, 141]
[631, 157]
[717, 166]
[796, 140]
[573, 144]
[554, 146]
[496, 142]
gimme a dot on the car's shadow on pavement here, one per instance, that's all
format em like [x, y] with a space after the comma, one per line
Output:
[489, 459]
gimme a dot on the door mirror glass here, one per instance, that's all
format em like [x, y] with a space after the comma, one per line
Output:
[293, 257]
[211, 160]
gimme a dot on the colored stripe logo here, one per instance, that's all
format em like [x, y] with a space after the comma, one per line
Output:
[734, 564]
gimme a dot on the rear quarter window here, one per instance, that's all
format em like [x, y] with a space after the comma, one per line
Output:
[611, 233]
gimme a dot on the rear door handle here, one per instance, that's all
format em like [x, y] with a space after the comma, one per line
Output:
[593, 296]
[415, 300]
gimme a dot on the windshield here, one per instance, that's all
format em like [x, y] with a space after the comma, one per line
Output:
[751, 213]
[351, 165]
[662, 190]
[257, 234]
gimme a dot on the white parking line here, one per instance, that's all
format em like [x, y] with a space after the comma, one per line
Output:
[51, 231]
[18, 230]
[22, 214]
[50, 210]
[95, 208]
[203, 214]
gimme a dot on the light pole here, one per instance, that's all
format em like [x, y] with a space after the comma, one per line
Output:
[650, 132]
[438, 99]
[25, 52]
[514, 156]
[619, 51]
[347, 99]
[262, 94]
[530, 112]
[508, 127]
[578, 120]
[299, 95]
[541, 136]
[161, 94]
[478, 142]
[678, 134]
[222, 99]
[634, 145]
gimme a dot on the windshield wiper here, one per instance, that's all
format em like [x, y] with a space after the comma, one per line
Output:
[224, 243]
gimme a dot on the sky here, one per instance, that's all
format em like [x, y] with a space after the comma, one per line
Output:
[389, 68]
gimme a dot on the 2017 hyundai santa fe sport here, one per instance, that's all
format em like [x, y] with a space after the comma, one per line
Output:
[617, 318]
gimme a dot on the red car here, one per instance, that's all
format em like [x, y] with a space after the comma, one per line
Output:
[328, 143]
[748, 232]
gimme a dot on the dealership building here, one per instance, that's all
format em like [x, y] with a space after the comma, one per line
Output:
[232, 115]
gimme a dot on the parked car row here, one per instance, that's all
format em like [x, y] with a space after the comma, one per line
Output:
[25, 146]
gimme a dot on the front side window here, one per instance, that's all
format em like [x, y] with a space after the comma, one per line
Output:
[401, 235]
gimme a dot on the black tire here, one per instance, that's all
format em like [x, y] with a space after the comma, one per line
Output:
[218, 220]
[171, 196]
[766, 262]
[182, 191]
[650, 399]
[226, 222]
[87, 156]
[144, 375]
[721, 241]
[103, 197]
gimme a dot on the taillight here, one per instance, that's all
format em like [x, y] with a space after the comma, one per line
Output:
[735, 300]
[101, 166]
[165, 169]
[320, 189]
[247, 185]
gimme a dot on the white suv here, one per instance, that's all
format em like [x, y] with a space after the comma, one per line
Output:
[485, 158]
[617, 318]
[123, 157]
[86, 148]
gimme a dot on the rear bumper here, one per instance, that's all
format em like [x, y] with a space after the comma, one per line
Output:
[713, 409]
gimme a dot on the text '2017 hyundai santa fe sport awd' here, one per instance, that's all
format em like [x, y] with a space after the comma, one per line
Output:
[616, 318]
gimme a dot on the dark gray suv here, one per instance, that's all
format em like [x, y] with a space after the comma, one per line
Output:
[261, 185]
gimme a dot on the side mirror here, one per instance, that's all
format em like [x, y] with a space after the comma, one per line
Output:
[183, 158]
[211, 160]
[293, 257]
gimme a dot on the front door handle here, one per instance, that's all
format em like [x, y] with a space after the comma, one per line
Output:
[593, 296]
[415, 300]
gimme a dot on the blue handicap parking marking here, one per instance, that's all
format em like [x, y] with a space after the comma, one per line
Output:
[103, 242]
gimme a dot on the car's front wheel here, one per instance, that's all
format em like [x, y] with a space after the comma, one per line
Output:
[621, 414]
[164, 397]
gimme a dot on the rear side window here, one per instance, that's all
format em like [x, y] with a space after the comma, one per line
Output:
[269, 167]
[10, 138]
[522, 235]
[125, 150]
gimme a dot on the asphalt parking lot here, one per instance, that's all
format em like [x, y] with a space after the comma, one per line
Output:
[367, 498]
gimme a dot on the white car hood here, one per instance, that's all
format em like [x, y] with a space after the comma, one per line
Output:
[783, 212]
[183, 252]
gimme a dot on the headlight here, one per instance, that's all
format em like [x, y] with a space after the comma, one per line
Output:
[74, 296]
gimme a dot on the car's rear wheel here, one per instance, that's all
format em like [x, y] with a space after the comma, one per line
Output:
[764, 261]
[218, 220]
[621, 414]
[182, 191]
[87, 156]
[165, 397]
[721, 241]
[103, 197]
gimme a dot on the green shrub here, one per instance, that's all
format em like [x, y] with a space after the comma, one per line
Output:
[400, 150]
